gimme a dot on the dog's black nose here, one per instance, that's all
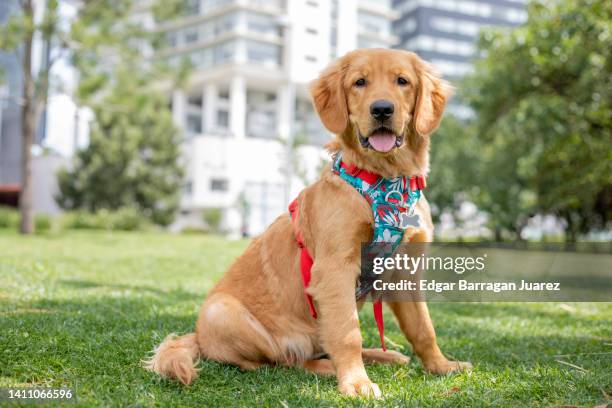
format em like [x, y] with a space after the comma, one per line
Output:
[381, 109]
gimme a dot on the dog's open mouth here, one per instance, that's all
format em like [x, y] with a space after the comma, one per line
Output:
[381, 140]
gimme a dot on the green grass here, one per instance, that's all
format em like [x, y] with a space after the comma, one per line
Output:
[82, 308]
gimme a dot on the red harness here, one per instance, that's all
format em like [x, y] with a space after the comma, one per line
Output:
[306, 259]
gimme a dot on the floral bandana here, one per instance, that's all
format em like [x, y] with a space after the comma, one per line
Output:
[392, 202]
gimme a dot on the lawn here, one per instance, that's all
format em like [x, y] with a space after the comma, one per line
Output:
[82, 308]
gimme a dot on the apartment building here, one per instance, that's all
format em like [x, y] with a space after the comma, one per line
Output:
[444, 32]
[247, 101]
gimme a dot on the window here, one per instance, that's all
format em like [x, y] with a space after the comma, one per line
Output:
[192, 7]
[195, 100]
[222, 118]
[194, 114]
[308, 125]
[367, 43]
[267, 54]
[442, 45]
[334, 11]
[261, 114]
[226, 23]
[172, 39]
[191, 35]
[215, 4]
[373, 24]
[262, 24]
[223, 52]
[218, 184]
[188, 188]
[194, 124]
[266, 202]
[515, 16]
[450, 25]
[409, 25]
[452, 68]
[223, 94]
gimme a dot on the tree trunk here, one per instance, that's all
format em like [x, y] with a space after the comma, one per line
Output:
[498, 234]
[25, 199]
[571, 229]
[28, 128]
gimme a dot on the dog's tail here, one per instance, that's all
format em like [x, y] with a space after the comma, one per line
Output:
[175, 358]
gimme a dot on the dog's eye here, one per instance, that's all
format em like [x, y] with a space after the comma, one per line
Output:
[360, 82]
[402, 81]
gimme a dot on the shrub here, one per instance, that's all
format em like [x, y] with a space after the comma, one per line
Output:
[124, 219]
[9, 217]
[127, 219]
[42, 223]
[84, 220]
[194, 230]
[212, 218]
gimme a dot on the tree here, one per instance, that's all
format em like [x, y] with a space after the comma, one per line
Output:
[452, 168]
[132, 156]
[542, 96]
[102, 35]
[29, 21]
[18, 35]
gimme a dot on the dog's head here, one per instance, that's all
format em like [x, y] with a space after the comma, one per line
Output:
[382, 104]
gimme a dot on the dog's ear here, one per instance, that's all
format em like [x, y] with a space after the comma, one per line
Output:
[329, 98]
[432, 95]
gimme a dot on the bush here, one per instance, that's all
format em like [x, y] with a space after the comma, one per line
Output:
[212, 218]
[9, 217]
[84, 220]
[42, 223]
[127, 219]
[124, 219]
[194, 230]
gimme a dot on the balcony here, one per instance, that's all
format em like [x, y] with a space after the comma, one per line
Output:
[380, 8]
[212, 10]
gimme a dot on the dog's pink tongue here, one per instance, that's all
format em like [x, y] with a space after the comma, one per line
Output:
[382, 142]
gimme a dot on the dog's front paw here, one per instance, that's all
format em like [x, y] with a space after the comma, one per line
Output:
[360, 387]
[446, 366]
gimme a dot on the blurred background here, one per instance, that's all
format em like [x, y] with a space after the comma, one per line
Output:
[194, 115]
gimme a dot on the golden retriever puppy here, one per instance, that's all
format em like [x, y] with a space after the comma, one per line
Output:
[382, 105]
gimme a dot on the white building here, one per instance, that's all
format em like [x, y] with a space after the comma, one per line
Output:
[247, 97]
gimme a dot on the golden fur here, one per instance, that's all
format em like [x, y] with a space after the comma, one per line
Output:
[257, 314]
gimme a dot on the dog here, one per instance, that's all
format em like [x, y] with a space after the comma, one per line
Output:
[382, 106]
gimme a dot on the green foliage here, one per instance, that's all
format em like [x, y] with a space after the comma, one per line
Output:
[83, 220]
[107, 39]
[105, 44]
[454, 153]
[124, 219]
[212, 217]
[9, 217]
[542, 96]
[194, 230]
[42, 223]
[127, 219]
[132, 156]
[131, 160]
